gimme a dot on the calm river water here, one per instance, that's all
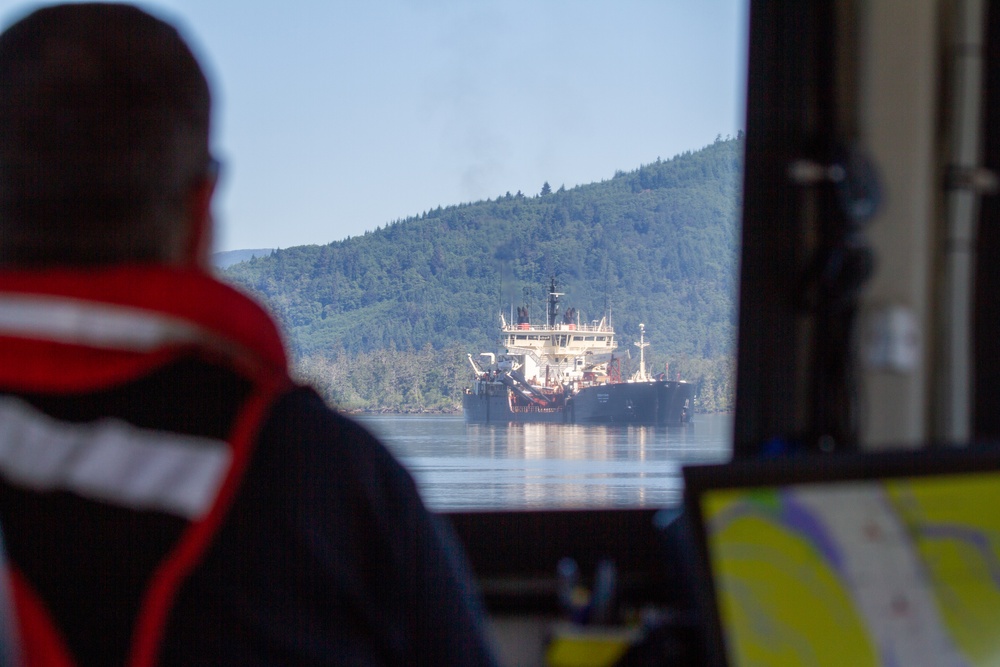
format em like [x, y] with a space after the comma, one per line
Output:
[461, 466]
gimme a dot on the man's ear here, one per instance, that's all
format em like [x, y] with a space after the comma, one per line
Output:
[197, 247]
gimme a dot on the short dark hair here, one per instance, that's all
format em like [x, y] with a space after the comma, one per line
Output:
[104, 126]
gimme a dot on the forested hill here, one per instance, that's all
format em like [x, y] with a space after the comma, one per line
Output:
[656, 245]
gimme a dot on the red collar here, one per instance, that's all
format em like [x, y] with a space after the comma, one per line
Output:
[112, 323]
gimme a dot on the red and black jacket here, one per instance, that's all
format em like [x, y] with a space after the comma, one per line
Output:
[168, 496]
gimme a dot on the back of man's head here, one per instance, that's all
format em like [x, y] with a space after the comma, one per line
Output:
[104, 121]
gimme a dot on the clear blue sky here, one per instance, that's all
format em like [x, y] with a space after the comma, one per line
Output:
[333, 118]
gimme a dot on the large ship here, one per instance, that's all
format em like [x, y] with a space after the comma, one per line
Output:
[565, 371]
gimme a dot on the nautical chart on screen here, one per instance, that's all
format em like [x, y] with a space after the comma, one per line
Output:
[885, 572]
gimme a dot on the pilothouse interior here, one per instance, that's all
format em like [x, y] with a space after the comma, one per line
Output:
[867, 322]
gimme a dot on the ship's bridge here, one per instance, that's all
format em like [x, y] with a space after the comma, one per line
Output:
[570, 339]
[558, 352]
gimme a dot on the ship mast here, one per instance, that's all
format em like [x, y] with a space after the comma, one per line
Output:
[553, 314]
[641, 376]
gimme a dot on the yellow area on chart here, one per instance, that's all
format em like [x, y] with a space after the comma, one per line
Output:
[779, 601]
[955, 524]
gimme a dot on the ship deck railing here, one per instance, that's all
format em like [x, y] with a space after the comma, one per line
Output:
[524, 326]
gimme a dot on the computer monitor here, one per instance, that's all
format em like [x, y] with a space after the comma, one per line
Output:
[862, 559]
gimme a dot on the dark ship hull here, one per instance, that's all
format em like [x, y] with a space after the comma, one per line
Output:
[652, 403]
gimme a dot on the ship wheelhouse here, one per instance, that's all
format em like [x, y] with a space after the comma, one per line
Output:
[557, 353]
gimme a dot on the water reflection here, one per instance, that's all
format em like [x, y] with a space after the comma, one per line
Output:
[461, 466]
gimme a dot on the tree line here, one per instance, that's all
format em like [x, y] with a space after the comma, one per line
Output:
[429, 380]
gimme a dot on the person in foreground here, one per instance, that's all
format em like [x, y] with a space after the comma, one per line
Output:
[167, 494]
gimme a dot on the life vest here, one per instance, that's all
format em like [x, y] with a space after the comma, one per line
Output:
[73, 332]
